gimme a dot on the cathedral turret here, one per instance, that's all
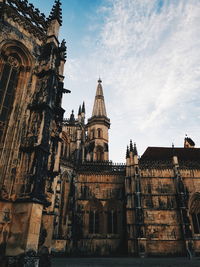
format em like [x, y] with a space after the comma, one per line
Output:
[98, 126]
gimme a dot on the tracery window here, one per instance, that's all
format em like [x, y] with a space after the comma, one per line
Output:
[93, 222]
[112, 222]
[8, 81]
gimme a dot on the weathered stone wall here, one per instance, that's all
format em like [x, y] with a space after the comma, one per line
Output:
[31, 77]
[161, 216]
[159, 198]
[84, 192]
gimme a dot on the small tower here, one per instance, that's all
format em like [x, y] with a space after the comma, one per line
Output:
[98, 125]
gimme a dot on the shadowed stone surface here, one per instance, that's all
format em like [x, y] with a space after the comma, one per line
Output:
[135, 262]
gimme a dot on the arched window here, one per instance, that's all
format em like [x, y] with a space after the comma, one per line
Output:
[195, 212]
[196, 222]
[112, 222]
[113, 211]
[99, 153]
[8, 82]
[93, 218]
[99, 133]
[93, 222]
[92, 134]
[15, 67]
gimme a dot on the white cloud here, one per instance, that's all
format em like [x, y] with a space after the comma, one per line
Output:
[149, 57]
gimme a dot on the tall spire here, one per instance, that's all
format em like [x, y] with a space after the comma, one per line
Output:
[99, 108]
[56, 12]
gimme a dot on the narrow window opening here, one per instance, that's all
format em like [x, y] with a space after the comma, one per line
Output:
[196, 222]
[8, 82]
[93, 222]
[112, 222]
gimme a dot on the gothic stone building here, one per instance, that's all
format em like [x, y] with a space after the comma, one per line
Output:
[149, 206]
[59, 192]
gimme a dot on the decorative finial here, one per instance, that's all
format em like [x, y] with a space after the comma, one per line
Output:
[99, 80]
[56, 12]
[131, 146]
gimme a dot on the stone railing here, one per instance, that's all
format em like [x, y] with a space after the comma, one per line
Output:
[101, 166]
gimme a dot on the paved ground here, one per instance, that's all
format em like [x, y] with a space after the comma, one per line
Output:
[123, 262]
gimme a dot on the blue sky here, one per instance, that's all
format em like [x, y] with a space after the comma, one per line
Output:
[147, 53]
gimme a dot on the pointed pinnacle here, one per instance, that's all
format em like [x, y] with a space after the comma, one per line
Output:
[72, 119]
[83, 107]
[99, 80]
[131, 146]
[56, 12]
[127, 153]
[135, 150]
[79, 110]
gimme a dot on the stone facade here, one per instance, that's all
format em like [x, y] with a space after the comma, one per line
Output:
[59, 192]
[141, 208]
[31, 89]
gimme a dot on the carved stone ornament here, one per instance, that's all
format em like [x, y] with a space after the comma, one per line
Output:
[13, 62]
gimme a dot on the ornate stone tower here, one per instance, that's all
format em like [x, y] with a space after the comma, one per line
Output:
[98, 125]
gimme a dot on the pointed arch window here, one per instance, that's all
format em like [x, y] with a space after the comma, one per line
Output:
[92, 134]
[93, 222]
[195, 212]
[99, 133]
[99, 153]
[8, 81]
[196, 222]
[112, 222]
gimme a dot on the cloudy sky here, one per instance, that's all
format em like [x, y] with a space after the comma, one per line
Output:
[147, 53]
